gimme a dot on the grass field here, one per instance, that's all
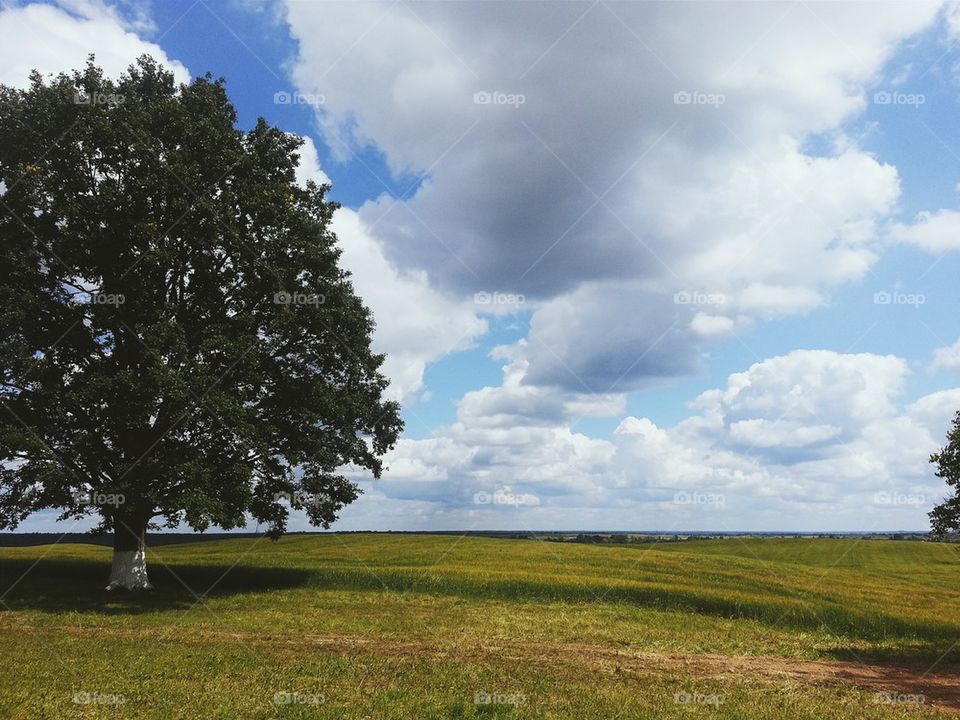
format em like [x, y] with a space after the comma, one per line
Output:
[414, 626]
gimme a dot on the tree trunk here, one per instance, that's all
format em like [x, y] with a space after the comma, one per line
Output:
[129, 571]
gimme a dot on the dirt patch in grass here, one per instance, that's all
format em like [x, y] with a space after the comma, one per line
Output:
[938, 685]
[900, 684]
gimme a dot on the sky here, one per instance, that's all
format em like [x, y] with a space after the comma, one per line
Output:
[635, 265]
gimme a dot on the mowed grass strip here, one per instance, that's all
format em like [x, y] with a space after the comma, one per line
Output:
[439, 614]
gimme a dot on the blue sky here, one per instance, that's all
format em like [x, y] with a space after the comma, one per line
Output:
[811, 185]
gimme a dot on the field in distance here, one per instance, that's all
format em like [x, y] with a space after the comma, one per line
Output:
[434, 626]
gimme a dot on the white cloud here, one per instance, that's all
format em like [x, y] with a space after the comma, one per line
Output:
[766, 433]
[511, 436]
[935, 232]
[814, 434]
[53, 39]
[936, 411]
[309, 166]
[812, 386]
[707, 325]
[808, 440]
[947, 358]
[762, 299]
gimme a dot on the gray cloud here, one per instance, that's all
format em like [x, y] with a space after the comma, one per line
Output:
[654, 147]
[609, 338]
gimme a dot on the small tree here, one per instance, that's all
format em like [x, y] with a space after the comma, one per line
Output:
[945, 517]
[177, 340]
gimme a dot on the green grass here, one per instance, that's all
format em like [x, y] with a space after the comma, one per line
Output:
[407, 626]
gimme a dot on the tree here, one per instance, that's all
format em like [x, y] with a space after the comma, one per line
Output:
[945, 517]
[177, 340]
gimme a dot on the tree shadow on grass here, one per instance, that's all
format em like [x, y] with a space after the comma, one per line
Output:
[56, 586]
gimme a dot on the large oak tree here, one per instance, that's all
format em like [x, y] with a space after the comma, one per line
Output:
[177, 340]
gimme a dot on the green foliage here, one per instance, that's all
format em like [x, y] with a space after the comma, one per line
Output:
[945, 517]
[175, 328]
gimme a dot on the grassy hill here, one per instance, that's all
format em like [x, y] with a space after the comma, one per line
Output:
[425, 626]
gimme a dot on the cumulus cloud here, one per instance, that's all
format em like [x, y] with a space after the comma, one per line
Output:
[935, 232]
[947, 358]
[765, 433]
[935, 411]
[707, 325]
[512, 439]
[807, 440]
[806, 385]
[810, 439]
[817, 434]
[601, 158]
[55, 39]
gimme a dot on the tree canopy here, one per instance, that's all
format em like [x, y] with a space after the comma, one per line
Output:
[178, 341]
